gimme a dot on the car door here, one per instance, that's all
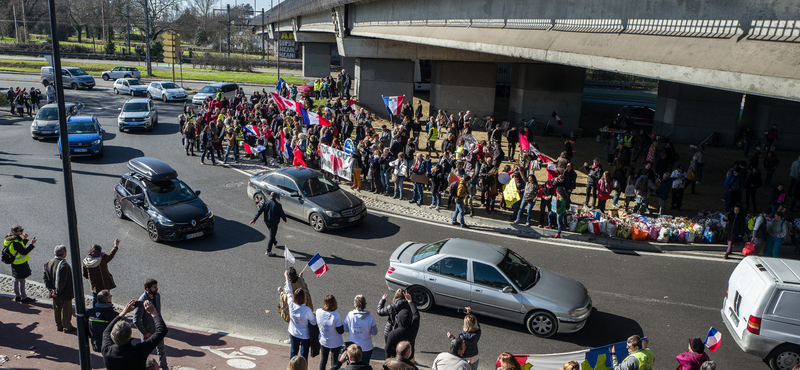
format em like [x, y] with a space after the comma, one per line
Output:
[291, 205]
[126, 87]
[447, 281]
[153, 111]
[487, 294]
[134, 212]
[66, 78]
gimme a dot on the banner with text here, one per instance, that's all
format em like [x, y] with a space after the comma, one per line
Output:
[336, 162]
[589, 359]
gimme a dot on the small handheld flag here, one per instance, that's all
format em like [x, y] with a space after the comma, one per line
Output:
[393, 104]
[280, 84]
[318, 265]
[288, 255]
[558, 119]
[713, 338]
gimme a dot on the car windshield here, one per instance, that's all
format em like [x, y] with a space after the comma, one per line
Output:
[135, 107]
[47, 114]
[81, 128]
[208, 90]
[519, 270]
[165, 193]
[134, 82]
[77, 72]
[170, 85]
[319, 185]
[428, 250]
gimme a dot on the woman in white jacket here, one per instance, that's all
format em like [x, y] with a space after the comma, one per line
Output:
[330, 330]
[362, 327]
[400, 170]
[300, 318]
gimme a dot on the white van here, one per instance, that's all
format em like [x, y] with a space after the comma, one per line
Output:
[762, 309]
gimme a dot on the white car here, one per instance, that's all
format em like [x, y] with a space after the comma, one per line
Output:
[166, 91]
[130, 86]
[121, 72]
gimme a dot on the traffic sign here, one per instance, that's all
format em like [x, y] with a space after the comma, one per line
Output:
[172, 48]
[348, 146]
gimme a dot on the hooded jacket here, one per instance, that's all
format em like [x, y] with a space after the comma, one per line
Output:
[95, 269]
[391, 312]
[361, 326]
[691, 360]
[407, 328]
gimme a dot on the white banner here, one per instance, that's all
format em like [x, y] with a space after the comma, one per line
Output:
[336, 162]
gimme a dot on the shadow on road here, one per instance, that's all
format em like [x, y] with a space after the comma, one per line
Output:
[113, 154]
[162, 128]
[59, 169]
[227, 234]
[601, 329]
[373, 227]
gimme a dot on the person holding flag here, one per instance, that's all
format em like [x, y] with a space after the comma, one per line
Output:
[273, 213]
[694, 357]
[301, 316]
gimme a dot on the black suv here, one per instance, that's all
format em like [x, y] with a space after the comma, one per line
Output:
[153, 197]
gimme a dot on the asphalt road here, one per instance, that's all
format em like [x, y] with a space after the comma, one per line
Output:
[225, 282]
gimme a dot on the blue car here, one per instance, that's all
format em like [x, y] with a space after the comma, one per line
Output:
[85, 137]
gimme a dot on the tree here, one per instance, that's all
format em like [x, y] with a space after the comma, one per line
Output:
[200, 37]
[110, 47]
[156, 49]
[204, 9]
[79, 13]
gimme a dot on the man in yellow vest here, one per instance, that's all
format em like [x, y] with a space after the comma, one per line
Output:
[627, 140]
[19, 248]
[639, 356]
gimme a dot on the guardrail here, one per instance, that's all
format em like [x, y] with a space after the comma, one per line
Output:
[120, 57]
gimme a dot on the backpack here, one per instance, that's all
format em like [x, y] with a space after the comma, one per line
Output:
[7, 257]
[283, 307]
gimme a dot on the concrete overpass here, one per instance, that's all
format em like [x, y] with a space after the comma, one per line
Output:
[706, 53]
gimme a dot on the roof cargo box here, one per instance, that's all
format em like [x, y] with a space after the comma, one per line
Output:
[152, 169]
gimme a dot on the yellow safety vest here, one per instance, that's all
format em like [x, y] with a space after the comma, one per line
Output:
[433, 134]
[645, 358]
[18, 258]
[628, 140]
[219, 95]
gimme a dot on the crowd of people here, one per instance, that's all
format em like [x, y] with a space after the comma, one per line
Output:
[22, 101]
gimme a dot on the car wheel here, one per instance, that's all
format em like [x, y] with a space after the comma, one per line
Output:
[121, 129]
[784, 357]
[132, 94]
[542, 324]
[116, 91]
[152, 231]
[317, 222]
[422, 297]
[90, 87]
[105, 77]
[127, 76]
[118, 209]
[149, 96]
[164, 98]
[45, 82]
[258, 198]
[74, 86]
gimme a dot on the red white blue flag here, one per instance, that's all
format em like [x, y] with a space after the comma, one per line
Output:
[318, 265]
[393, 103]
[286, 149]
[558, 119]
[311, 118]
[284, 104]
[712, 339]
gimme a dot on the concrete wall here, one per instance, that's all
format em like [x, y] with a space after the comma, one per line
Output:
[761, 113]
[316, 59]
[537, 90]
[689, 114]
[376, 77]
[462, 86]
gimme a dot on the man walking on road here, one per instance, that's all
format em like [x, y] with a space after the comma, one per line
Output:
[145, 319]
[273, 214]
[58, 280]
[118, 352]
[19, 248]
[95, 269]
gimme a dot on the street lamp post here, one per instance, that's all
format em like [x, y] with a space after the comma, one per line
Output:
[147, 38]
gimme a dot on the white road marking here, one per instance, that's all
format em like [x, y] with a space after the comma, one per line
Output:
[654, 301]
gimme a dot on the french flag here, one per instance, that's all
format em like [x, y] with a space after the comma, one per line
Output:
[285, 150]
[558, 119]
[251, 130]
[713, 338]
[393, 103]
[311, 118]
[318, 265]
[281, 82]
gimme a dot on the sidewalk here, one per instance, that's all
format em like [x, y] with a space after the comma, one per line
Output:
[30, 341]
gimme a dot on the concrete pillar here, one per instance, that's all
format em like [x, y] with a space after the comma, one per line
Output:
[376, 77]
[690, 114]
[761, 113]
[349, 66]
[316, 59]
[538, 90]
[462, 86]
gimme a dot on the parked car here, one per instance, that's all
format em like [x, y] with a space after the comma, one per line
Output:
[84, 136]
[493, 280]
[130, 86]
[72, 77]
[152, 196]
[308, 88]
[228, 90]
[631, 115]
[761, 309]
[138, 114]
[45, 124]
[308, 195]
[166, 91]
[121, 72]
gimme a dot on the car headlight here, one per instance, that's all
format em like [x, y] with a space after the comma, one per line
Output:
[95, 142]
[333, 214]
[161, 219]
[210, 213]
[363, 206]
[579, 312]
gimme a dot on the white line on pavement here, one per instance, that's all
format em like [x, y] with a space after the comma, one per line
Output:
[653, 301]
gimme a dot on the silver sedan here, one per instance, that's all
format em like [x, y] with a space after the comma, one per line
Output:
[495, 281]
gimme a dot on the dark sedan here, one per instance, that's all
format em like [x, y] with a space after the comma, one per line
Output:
[307, 195]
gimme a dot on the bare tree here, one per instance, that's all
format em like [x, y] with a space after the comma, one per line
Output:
[204, 9]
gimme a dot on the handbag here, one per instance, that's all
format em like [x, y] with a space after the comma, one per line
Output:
[630, 191]
[419, 178]
[749, 249]
[394, 178]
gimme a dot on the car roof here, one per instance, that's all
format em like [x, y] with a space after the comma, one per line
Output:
[479, 251]
[220, 84]
[152, 169]
[787, 271]
[139, 100]
[55, 105]
[81, 119]
[297, 172]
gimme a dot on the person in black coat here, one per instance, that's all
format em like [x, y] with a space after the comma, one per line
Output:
[407, 327]
[751, 183]
[439, 183]
[399, 303]
[118, 352]
[273, 214]
[735, 226]
[98, 318]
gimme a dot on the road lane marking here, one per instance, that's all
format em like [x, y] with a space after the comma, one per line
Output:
[653, 301]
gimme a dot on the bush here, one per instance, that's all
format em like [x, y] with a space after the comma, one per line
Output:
[200, 36]
[110, 47]
[156, 49]
[222, 63]
[3, 99]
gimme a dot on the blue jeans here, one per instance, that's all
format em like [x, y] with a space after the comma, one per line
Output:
[528, 207]
[301, 344]
[417, 197]
[560, 220]
[210, 153]
[235, 150]
[773, 246]
[385, 177]
[366, 356]
[398, 186]
[436, 198]
[459, 211]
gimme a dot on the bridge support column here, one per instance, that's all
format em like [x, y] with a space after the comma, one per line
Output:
[690, 114]
[761, 113]
[316, 59]
[538, 90]
[462, 86]
[376, 77]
